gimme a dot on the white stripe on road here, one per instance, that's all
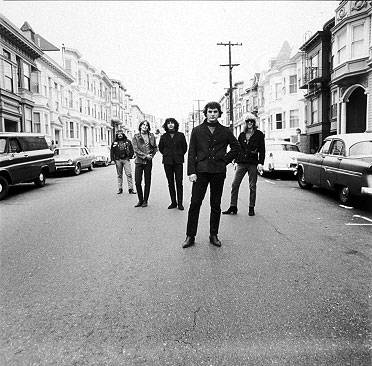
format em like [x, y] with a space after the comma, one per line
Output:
[351, 224]
[347, 207]
[269, 182]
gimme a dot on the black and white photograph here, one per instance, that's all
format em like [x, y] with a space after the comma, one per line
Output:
[185, 183]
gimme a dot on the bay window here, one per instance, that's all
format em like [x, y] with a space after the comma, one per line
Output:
[357, 41]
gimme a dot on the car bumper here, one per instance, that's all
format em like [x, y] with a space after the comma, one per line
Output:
[65, 167]
[367, 190]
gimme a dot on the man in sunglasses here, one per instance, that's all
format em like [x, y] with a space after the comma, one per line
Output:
[207, 160]
[250, 160]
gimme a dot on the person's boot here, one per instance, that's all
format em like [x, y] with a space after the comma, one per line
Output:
[139, 204]
[189, 241]
[180, 207]
[172, 205]
[144, 204]
[120, 191]
[251, 211]
[131, 191]
[232, 210]
[213, 239]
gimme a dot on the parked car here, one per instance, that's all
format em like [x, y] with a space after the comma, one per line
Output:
[102, 154]
[280, 156]
[343, 163]
[74, 159]
[24, 157]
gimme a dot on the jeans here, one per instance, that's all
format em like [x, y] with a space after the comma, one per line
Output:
[143, 169]
[199, 188]
[174, 174]
[241, 169]
[120, 164]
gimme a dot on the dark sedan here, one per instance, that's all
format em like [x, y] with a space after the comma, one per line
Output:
[343, 163]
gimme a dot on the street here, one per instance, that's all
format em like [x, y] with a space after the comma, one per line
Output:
[87, 279]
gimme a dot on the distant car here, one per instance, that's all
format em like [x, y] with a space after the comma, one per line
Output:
[102, 154]
[280, 156]
[343, 163]
[74, 159]
[24, 157]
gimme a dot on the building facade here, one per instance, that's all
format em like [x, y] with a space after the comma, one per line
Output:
[351, 77]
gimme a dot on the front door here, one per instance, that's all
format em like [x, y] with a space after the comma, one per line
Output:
[356, 110]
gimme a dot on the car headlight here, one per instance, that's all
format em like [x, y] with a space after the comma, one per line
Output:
[69, 162]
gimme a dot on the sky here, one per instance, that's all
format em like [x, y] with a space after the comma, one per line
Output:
[166, 52]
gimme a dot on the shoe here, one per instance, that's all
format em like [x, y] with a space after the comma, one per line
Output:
[213, 239]
[172, 205]
[120, 191]
[144, 204]
[189, 241]
[139, 204]
[132, 192]
[180, 207]
[231, 210]
[251, 211]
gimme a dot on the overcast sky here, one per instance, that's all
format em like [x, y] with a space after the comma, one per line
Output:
[165, 52]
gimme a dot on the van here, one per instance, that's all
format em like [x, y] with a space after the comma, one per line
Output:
[24, 157]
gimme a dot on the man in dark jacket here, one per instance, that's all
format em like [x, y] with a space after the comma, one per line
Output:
[173, 147]
[207, 160]
[121, 152]
[250, 160]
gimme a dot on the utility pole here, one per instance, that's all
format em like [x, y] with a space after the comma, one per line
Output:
[230, 65]
[198, 100]
[193, 117]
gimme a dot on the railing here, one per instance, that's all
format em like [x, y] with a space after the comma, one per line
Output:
[311, 73]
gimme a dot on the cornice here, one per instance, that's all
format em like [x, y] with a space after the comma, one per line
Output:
[56, 68]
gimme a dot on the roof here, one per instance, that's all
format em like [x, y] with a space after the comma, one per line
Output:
[44, 44]
[352, 138]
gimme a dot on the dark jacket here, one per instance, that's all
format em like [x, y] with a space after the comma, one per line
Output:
[139, 147]
[116, 153]
[207, 151]
[253, 151]
[173, 148]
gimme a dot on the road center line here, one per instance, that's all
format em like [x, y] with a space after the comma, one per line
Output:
[352, 224]
[363, 217]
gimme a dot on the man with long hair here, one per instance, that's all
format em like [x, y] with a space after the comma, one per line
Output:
[206, 165]
[251, 159]
[173, 147]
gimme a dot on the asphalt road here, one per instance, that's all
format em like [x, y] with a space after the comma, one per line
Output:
[87, 279]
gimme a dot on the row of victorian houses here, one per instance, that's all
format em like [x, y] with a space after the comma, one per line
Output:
[58, 93]
[321, 89]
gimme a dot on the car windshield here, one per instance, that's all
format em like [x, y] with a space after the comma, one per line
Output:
[2, 146]
[101, 150]
[282, 147]
[363, 148]
[66, 152]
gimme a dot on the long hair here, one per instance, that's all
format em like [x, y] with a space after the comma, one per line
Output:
[250, 117]
[212, 105]
[148, 124]
[175, 122]
[118, 132]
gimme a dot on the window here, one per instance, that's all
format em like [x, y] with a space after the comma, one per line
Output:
[71, 130]
[314, 67]
[293, 118]
[357, 42]
[293, 84]
[68, 66]
[70, 100]
[278, 120]
[314, 111]
[8, 76]
[46, 121]
[113, 92]
[325, 147]
[6, 54]
[81, 105]
[79, 77]
[337, 148]
[26, 76]
[334, 104]
[28, 120]
[278, 87]
[87, 81]
[36, 124]
[361, 148]
[341, 47]
[88, 107]
[35, 82]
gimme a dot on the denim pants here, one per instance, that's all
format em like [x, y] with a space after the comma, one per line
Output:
[143, 169]
[241, 169]
[199, 188]
[174, 174]
[120, 165]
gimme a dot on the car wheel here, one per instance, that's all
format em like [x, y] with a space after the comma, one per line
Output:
[4, 187]
[344, 195]
[40, 180]
[91, 166]
[77, 169]
[301, 180]
[106, 163]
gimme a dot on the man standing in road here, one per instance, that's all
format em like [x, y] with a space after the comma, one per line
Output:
[121, 152]
[207, 160]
